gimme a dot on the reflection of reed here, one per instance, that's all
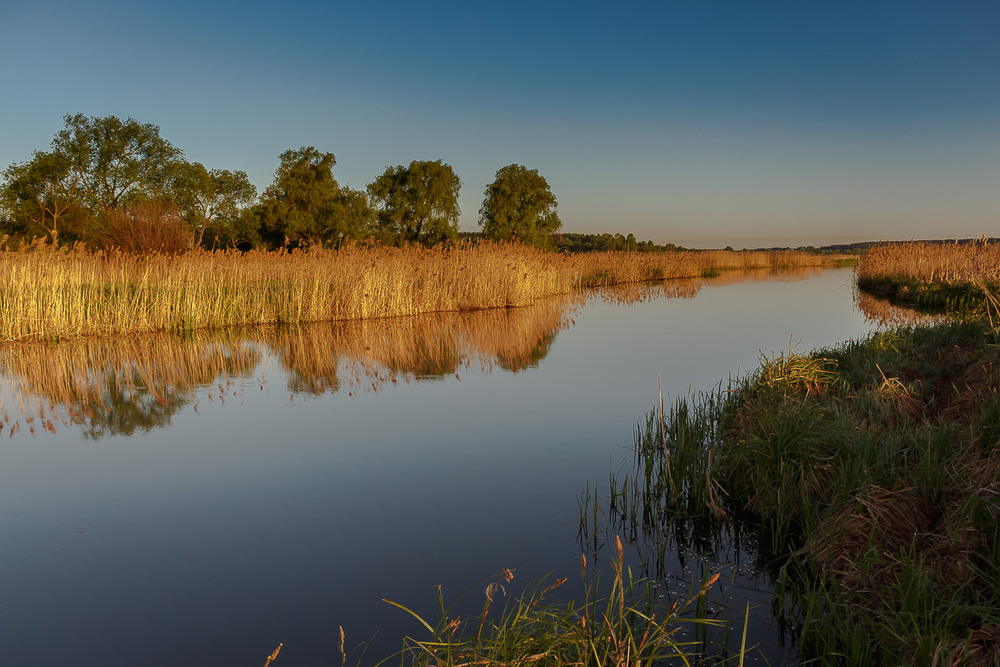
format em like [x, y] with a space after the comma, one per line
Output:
[687, 288]
[784, 275]
[121, 385]
[628, 294]
[115, 386]
[884, 313]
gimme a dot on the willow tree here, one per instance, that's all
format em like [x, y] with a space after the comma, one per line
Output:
[115, 161]
[519, 206]
[418, 203]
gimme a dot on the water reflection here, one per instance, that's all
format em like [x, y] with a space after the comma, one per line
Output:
[884, 312]
[120, 386]
[117, 386]
[114, 386]
[688, 288]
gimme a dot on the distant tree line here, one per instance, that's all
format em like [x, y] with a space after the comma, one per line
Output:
[599, 242]
[110, 182]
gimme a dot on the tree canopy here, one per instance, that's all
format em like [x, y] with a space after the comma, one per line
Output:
[211, 198]
[306, 206]
[418, 203]
[114, 160]
[44, 195]
[519, 206]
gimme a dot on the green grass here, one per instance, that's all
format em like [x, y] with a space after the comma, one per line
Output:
[869, 472]
[630, 625]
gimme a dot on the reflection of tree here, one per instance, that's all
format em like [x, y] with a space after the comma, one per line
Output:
[688, 288]
[116, 386]
[335, 356]
[127, 407]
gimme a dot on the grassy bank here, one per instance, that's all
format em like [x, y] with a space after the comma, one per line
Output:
[871, 472]
[961, 278]
[60, 293]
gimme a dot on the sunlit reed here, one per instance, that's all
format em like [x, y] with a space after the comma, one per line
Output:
[949, 263]
[52, 293]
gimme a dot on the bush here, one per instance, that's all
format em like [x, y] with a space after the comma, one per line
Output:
[146, 227]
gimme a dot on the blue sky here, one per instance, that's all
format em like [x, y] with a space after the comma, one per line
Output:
[694, 122]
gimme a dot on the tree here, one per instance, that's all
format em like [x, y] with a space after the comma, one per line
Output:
[306, 206]
[210, 198]
[44, 195]
[418, 203]
[115, 161]
[519, 206]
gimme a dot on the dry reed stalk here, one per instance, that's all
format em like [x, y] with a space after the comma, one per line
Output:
[47, 292]
[949, 263]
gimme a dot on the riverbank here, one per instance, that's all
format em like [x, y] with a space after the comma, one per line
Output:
[871, 473]
[51, 293]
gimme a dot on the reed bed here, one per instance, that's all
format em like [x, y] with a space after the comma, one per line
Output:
[948, 263]
[612, 268]
[51, 293]
[960, 278]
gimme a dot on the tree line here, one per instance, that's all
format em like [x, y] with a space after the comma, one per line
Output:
[110, 182]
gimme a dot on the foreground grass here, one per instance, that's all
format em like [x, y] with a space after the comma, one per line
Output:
[871, 472]
[629, 627]
[61, 293]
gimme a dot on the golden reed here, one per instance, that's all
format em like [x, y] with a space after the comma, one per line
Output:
[950, 263]
[51, 293]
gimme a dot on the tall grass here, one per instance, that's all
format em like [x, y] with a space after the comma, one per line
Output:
[628, 626]
[47, 292]
[950, 263]
[961, 278]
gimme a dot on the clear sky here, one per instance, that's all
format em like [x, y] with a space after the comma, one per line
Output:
[691, 121]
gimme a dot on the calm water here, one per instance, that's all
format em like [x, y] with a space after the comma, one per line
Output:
[171, 501]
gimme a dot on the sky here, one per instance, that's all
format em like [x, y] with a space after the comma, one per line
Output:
[697, 122]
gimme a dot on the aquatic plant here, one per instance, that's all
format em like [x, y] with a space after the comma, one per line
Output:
[630, 626]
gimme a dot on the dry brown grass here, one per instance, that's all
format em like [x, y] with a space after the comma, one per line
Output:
[948, 263]
[61, 293]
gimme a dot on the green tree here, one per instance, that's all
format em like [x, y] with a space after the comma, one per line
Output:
[115, 161]
[306, 206]
[519, 206]
[211, 199]
[44, 196]
[418, 203]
